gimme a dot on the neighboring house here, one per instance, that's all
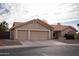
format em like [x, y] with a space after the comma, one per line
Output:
[39, 30]
[61, 30]
[32, 30]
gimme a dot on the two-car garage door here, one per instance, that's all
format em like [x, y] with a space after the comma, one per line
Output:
[32, 35]
[39, 35]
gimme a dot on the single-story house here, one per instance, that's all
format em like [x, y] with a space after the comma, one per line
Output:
[38, 30]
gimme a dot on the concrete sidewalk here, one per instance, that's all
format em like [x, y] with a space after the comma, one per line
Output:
[45, 42]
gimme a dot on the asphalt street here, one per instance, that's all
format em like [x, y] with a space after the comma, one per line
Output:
[55, 50]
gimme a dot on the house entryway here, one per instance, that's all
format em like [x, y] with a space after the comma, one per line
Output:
[56, 34]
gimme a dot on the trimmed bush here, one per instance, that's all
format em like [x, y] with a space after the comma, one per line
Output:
[69, 36]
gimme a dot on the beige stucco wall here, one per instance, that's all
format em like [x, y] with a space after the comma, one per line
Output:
[51, 35]
[67, 30]
[31, 26]
[12, 34]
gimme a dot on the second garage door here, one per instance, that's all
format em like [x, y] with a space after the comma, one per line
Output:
[39, 35]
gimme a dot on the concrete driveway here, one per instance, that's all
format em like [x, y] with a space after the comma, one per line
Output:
[42, 48]
[42, 43]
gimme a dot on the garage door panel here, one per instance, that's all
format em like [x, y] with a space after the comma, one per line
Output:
[32, 35]
[39, 35]
[22, 35]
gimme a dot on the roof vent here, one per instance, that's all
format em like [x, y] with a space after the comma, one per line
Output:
[58, 23]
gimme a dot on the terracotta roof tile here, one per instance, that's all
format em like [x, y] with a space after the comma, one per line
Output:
[55, 27]
[59, 27]
[62, 27]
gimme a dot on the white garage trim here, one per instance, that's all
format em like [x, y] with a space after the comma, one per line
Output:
[49, 35]
[29, 36]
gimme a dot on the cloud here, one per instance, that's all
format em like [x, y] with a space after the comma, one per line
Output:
[53, 12]
[74, 12]
[4, 8]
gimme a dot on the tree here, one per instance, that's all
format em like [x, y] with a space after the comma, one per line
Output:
[77, 35]
[3, 26]
[78, 24]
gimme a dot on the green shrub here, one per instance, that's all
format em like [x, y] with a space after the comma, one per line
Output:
[69, 36]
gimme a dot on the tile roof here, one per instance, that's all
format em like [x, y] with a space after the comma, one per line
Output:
[59, 27]
[62, 27]
[18, 24]
[56, 27]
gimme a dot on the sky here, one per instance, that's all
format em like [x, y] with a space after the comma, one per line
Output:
[64, 13]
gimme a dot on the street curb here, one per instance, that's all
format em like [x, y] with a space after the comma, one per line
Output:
[9, 47]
